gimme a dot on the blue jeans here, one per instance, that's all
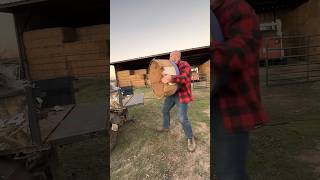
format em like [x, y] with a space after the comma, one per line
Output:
[229, 150]
[169, 102]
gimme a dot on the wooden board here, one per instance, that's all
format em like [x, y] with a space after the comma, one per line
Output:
[49, 124]
[81, 121]
[133, 100]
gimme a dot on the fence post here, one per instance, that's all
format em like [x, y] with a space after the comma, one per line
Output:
[267, 63]
[308, 58]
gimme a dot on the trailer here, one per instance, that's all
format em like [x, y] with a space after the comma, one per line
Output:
[43, 115]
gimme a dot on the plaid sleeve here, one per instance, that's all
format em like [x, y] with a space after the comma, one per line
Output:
[242, 39]
[185, 74]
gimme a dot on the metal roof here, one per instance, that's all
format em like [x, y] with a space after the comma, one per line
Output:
[5, 4]
[9, 1]
[194, 56]
[156, 55]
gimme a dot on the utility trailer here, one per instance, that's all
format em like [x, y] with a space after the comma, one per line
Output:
[119, 105]
[31, 135]
[33, 130]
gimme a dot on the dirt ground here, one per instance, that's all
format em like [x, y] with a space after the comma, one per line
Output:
[287, 148]
[85, 160]
[142, 153]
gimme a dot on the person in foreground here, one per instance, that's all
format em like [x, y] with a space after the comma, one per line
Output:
[237, 107]
[181, 98]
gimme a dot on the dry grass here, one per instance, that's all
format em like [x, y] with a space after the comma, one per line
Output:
[142, 153]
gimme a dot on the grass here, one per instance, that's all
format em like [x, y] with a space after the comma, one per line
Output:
[292, 131]
[142, 153]
[90, 90]
[85, 160]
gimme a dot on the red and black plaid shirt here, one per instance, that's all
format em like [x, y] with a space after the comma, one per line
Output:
[184, 81]
[236, 59]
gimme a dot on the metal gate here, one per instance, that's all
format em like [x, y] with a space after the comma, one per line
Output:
[299, 61]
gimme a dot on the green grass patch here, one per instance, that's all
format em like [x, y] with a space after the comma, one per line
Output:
[86, 159]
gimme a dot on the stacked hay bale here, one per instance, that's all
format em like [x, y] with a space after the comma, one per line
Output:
[204, 70]
[138, 79]
[45, 53]
[59, 52]
[124, 78]
[88, 56]
[93, 33]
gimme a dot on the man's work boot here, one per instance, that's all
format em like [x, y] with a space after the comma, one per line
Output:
[191, 144]
[162, 129]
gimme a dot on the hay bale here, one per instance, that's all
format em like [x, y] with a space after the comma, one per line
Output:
[48, 60]
[124, 83]
[85, 47]
[45, 52]
[89, 70]
[205, 69]
[89, 63]
[48, 66]
[137, 80]
[123, 73]
[87, 57]
[92, 33]
[51, 35]
[140, 71]
[48, 74]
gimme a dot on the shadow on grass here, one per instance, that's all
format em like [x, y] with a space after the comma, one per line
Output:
[85, 160]
[293, 128]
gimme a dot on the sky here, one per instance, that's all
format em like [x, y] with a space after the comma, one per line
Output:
[8, 42]
[147, 27]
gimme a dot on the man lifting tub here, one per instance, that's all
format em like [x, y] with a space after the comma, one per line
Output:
[181, 98]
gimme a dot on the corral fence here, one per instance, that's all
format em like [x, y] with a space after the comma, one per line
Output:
[299, 61]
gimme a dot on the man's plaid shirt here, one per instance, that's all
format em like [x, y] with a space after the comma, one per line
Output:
[184, 82]
[236, 62]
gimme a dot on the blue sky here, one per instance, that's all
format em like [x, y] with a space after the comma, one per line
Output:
[146, 27]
